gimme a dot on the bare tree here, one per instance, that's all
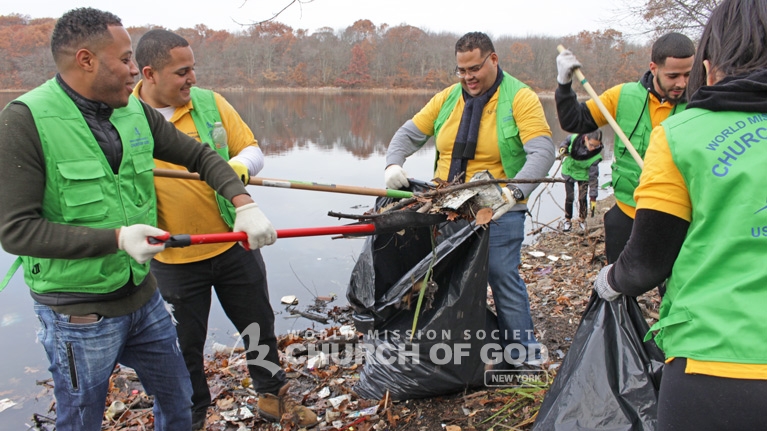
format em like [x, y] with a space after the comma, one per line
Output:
[276, 14]
[273, 54]
[661, 16]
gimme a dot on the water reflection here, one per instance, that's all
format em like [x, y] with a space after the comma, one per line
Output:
[359, 123]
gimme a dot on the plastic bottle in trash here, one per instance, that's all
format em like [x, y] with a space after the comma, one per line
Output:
[219, 135]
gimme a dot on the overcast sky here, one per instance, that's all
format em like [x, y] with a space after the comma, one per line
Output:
[495, 17]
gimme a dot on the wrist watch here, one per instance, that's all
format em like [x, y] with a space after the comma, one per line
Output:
[516, 193]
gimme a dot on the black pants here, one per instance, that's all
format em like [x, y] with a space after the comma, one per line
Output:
[617, 232]
[701, 403]
[583, 189]
[239, 277]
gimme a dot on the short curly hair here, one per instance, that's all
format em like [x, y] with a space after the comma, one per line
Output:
[154, 47]
[674, 45]
[471, 41]
[79, 28]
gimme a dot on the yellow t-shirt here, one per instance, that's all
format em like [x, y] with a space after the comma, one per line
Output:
[662, 188]
[189, 206]
[528, 114]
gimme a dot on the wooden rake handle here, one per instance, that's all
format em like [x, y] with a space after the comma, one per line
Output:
[603, 109]
[301, 185]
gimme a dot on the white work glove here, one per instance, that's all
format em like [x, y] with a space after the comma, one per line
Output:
[508, 202]
[251, 220]
[566, 63]
[395, 177]
[133, 240]
[603, 287]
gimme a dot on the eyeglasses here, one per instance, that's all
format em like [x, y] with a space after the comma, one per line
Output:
[461, 72]
[593, 143]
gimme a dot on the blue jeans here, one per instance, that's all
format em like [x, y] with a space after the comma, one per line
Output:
[509, 291]
[83, 356]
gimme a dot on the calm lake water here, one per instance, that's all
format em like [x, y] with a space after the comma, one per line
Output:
[327, 138]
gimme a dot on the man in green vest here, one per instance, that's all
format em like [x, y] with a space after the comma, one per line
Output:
[488, 121]
[581, 156]
[637, 107]
[185, 275]
[79, 209]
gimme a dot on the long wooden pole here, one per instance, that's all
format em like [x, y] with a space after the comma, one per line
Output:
[606, 113]
[302, 185]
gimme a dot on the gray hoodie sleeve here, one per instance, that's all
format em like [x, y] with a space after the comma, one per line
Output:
[406, 141]
[540, 157]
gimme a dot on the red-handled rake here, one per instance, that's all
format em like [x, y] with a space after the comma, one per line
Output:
[390, 222]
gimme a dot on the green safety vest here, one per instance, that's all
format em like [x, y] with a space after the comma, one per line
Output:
[513, 156]
[578, 169]
[205, 114]
[82, 190]
[713, 309]
[625, 171]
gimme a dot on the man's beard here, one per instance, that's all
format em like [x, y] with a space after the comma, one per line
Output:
[666, 92]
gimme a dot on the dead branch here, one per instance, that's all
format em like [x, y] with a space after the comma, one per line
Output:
[538, 230]
[275, 15]
[462, 186]
[310, 316]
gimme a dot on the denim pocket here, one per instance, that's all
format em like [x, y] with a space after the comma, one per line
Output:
[71, 365]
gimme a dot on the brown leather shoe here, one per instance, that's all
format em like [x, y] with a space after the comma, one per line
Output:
[281, 407]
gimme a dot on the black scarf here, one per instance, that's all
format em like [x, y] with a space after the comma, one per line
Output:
[468, 130]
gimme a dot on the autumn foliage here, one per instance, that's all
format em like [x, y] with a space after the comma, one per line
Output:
[362, 56]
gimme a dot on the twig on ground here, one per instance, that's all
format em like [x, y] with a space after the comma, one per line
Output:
[538, 230]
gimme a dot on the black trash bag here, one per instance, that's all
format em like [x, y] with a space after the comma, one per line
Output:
[610, 378]
[386, 258]
[380, 292]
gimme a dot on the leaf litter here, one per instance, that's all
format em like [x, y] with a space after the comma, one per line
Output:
[559, 290]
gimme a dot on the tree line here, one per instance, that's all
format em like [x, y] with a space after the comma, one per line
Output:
[361, 56]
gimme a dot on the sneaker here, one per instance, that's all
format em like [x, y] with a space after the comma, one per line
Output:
[566, 226]
[582, 225]
[277, 407]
